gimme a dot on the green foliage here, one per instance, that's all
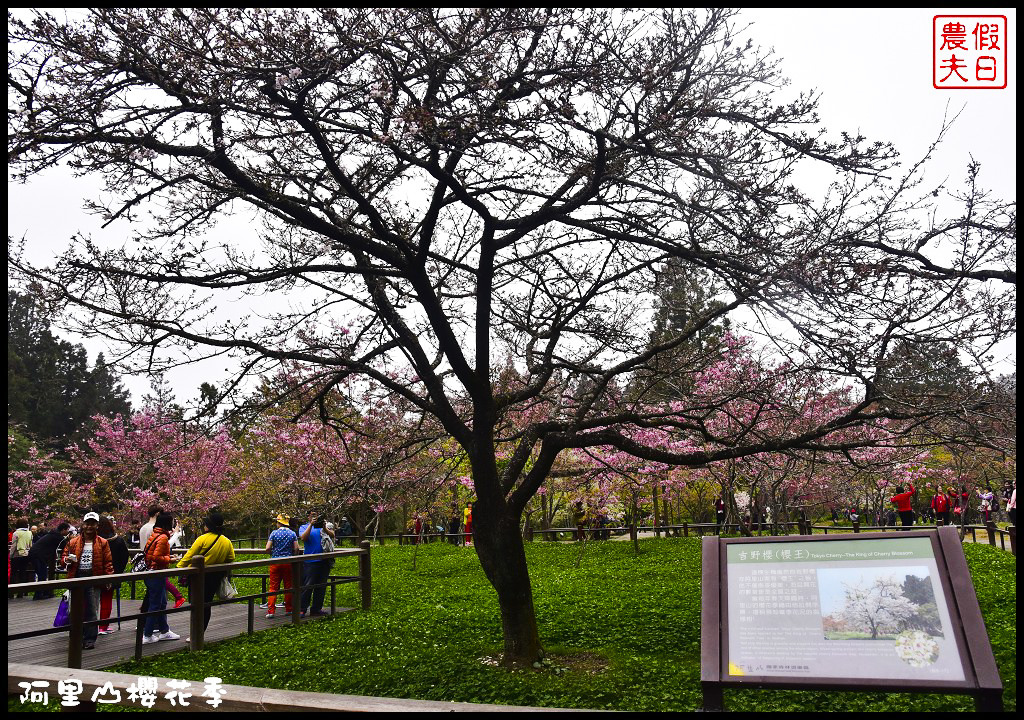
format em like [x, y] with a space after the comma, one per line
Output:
[51, 392]
[434, 633]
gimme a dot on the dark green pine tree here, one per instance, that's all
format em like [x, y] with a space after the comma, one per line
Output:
[51, 392]
[687, 297]
[916, 374]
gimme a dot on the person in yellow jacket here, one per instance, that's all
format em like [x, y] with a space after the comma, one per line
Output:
[217, 549]
[467, 522]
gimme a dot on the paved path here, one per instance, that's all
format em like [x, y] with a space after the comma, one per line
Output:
[25, 614]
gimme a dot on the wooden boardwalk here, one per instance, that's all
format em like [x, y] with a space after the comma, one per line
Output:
[24, 615]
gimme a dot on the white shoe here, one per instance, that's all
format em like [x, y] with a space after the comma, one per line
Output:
[169, 635]
[264, 605]
[146, 639]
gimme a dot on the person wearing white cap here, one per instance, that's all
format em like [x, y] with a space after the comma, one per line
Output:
[87, 555]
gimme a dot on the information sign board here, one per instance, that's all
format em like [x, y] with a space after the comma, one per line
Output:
[882, 611]
[840, 609]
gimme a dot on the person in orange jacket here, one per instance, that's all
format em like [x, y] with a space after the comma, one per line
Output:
[87, 555]
[902, 500]
[158, 557]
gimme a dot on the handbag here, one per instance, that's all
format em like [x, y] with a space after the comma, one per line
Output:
[227, 590]
[63, 610]
[139, 563]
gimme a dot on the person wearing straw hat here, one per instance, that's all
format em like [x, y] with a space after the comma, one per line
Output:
[283, 542]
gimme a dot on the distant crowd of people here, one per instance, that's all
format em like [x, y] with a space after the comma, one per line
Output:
[457, 529]
[945, 507]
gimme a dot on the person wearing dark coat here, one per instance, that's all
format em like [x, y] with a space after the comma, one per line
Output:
[43, 553]
[119, 558]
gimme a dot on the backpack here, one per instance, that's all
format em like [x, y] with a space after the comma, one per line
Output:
[326, 542]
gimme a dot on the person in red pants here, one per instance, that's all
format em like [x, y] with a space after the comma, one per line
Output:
[119, 556]
[283, 542]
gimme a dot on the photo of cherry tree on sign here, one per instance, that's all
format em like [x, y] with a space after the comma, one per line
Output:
[877, 603]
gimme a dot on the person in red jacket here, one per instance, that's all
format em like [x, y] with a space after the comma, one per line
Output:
[902, 500]
[940, 505]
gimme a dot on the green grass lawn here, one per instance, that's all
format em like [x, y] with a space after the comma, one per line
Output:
[631, 625]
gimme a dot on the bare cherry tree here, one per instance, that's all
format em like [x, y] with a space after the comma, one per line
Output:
[433, 194]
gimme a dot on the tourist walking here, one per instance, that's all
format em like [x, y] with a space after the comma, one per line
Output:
[1011, 505]
[43, 554]
[144, 533]
[453, 528]
[119, 557]
[283, 542]
[217, 549]
[315, 572]
[158, 557]
[467, 524]
[1006, 492]
[345, 530]
[21, 544]
[88, 555]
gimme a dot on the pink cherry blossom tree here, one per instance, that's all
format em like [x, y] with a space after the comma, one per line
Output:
[43, 489]
[148, 459]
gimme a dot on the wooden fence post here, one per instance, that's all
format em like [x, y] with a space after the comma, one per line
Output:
[1012, 531]
[991, 528]
[856, 526]
[296, 570]
[364, 574]
[197, 593]
[76, 618]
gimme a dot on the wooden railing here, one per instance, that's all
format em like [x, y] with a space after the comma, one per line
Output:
[197, 575]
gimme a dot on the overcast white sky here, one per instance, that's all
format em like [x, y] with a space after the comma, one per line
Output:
[873, 67]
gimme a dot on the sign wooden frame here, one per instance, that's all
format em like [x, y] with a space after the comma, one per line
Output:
[981, 676]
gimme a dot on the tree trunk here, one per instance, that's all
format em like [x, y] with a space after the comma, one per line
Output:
[499, 545]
